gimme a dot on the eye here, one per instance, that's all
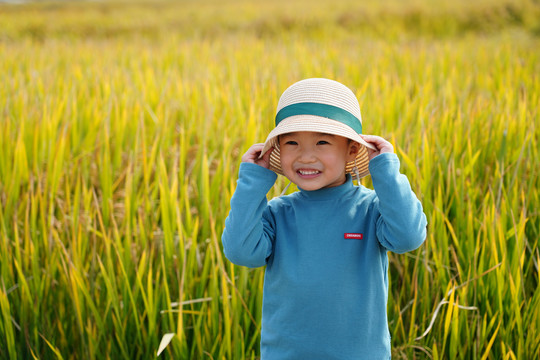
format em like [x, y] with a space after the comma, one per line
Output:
[291, 142]
[322, 142]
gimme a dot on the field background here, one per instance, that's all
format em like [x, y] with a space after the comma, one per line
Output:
[122, 125]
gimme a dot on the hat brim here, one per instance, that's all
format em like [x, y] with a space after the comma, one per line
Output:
[319, 124]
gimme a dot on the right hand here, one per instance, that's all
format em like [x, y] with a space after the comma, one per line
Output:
[381, 145]
[253, 154]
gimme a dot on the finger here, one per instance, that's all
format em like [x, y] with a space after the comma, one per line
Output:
[266, 156]
[257, 147]
[379, 142]
[371, 141]
[264, 159]
[261, 155]
[255, 150]
[253, 153]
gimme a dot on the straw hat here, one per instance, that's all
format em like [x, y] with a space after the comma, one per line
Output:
[319, 105]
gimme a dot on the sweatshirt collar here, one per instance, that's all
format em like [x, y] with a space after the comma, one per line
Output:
[331, 193]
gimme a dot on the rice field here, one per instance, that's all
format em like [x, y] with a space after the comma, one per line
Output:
[122, 125]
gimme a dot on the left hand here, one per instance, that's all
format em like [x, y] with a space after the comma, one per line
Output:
[253, 155]
[379, 143]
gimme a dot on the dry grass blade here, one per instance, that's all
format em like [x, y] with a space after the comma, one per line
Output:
[165, 340]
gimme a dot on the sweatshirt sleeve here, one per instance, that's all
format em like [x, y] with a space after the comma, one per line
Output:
[401, 226]
[249, 230]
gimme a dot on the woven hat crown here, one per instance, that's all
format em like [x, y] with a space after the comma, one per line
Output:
[321, 91]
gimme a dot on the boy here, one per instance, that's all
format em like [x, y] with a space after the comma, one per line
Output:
[325, 246]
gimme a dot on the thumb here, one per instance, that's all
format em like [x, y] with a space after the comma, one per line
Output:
[264, 159]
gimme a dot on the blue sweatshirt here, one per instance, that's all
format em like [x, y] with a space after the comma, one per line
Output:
[326, 283]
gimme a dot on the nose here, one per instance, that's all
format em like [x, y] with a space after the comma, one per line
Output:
[307, 156]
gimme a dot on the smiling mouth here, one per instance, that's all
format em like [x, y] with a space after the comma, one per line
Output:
[304, 172]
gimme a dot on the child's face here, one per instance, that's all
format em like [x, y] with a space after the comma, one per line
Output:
[313, 160]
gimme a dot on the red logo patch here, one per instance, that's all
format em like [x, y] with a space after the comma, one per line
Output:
[356, 236]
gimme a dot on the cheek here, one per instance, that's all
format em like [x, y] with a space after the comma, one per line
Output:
[335, 159]
[285, 158]
[287, 151]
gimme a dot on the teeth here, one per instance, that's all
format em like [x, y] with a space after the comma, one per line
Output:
[308, 172]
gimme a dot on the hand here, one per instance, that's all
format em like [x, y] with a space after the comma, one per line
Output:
[380, 144]
[253, 154]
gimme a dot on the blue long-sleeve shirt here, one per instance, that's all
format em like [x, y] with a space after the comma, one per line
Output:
[325, 285]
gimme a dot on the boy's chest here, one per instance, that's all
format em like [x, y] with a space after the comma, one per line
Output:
[331, 245]
[315, 235]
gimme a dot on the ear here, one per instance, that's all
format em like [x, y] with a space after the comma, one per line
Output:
[353, 150]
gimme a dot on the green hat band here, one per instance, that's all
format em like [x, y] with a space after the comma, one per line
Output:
[323, 110]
